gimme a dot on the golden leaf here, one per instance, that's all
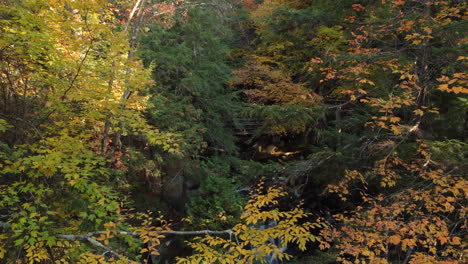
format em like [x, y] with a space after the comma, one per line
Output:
[418, 112]
[395, 240]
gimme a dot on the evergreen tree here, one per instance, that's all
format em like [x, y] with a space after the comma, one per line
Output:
[191, 70]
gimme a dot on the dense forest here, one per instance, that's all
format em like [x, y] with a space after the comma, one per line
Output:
[233, 131]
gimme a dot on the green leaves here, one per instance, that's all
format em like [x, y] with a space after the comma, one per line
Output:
[217, 204]
[4, 125]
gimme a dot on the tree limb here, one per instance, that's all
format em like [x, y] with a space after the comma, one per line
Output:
[166, 232]
[89, 236]
[131, 14]
[92, 241]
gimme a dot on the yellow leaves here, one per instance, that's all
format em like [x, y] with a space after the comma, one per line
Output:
[396, 130]
[381, 124]
[367, 253]
[361, 91]
[456, 240]
[412, 36]
[366, 81]
[428, 30]
[3, 237]
[266, 8]
[417, 38]
[394, 119]
[388, 121]
[85, 61]
[253, 244]
[63, 243]
[456, 84]
[110, 225]
[91, 258]
[36, 252]
[421, 258]
[418, 112]
[149, 234]
[444, 87]
[406, 26]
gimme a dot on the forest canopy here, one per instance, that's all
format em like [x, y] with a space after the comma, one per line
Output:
[233, 131]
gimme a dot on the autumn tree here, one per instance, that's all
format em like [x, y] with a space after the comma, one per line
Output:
[372, 92]
[412, 201]
[249, 244]
[66, 91]
[283, 106]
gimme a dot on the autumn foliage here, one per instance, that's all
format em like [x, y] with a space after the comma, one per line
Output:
[248, 244]
[364, 104]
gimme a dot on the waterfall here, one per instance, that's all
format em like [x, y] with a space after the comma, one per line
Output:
[273, 258]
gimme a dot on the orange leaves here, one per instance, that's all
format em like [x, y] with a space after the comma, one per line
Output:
[264, 85]
[251, 4]
[383, 168]
[394, 119]
[414, 205]
[358, 7]
[406, 243]
[398, 2]
[408, 222]
[394, 240]
[457, 84]
[314, 61]
[406, 26]
[342, 187]
[448, 14]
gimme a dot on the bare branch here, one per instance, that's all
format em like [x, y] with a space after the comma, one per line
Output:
[131, 14]
[92, 241]
[169, 232]
[89, 236]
